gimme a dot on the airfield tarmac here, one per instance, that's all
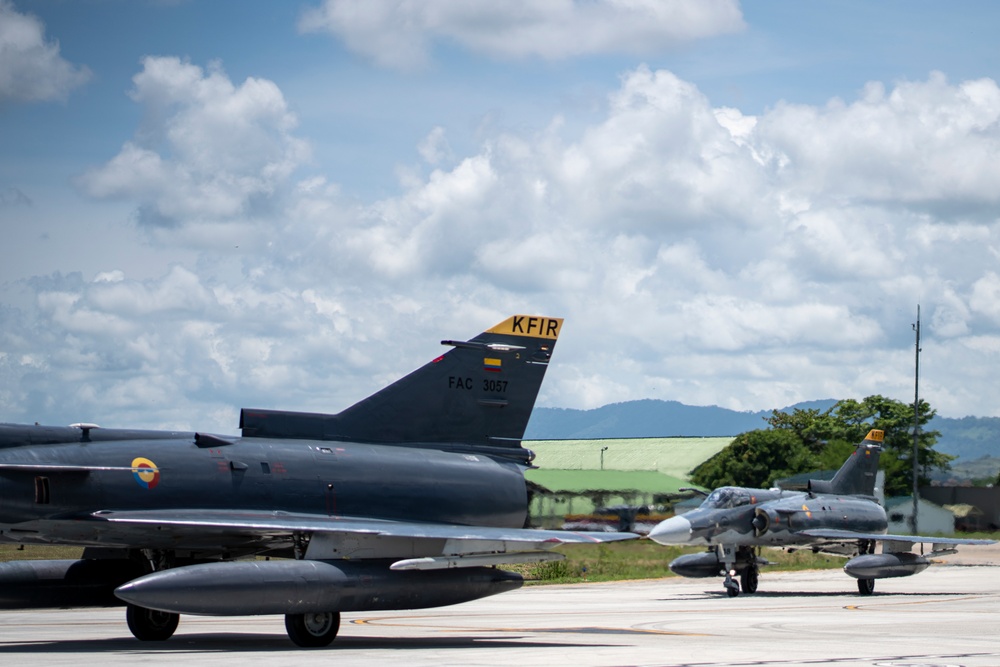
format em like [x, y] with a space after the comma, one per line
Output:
[947, 615]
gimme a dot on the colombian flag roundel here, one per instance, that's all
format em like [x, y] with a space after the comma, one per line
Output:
[145, 472]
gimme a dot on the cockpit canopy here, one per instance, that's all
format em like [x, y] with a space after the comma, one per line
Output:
[727, 497]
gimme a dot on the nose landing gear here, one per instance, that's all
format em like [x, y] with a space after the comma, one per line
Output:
[749, 573]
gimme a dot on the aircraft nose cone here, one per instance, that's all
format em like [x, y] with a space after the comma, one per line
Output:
[675, 530]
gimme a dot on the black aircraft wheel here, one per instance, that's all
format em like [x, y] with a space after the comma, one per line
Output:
[313, 630]
[749, 579]
[149, 625]
[732, 587]
[866, 586]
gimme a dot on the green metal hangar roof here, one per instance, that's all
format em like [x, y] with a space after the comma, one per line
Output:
[613, 481]
[651, 465]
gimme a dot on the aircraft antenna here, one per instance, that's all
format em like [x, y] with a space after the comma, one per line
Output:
[916, 417]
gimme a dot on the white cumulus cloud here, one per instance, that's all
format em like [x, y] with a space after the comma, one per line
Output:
[697, 254]
[400, 33]
[209, 150]
[31, 69]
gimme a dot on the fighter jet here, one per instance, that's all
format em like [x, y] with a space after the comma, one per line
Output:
[841, 516]
[406, 500]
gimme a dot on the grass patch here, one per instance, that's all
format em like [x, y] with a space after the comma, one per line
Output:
[635, 559]
[37, 552]
[644, 559]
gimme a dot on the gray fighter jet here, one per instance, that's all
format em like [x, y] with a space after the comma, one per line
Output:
[408, 499]
[841, 516]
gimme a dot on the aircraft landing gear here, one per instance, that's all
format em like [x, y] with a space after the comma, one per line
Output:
[732, 586]
[313, 630]
[750, 574]
[749, 578]
[866, 586]
[727, 556]
[749, 568]
[149, 625]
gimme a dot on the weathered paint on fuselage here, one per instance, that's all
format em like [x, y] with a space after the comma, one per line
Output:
[788, 514]
[323, 478]
[788, 517]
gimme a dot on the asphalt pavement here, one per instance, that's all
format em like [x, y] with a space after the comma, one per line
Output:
[948, 615]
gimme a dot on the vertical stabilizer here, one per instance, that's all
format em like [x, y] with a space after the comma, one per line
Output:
[857, 475]
[479, 393]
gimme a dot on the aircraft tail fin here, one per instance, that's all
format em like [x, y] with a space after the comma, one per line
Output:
[478, 395]
[857, 475]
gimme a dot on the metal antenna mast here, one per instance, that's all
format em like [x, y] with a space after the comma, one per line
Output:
[916, 418]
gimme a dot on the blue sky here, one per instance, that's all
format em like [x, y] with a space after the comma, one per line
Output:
[212, 205]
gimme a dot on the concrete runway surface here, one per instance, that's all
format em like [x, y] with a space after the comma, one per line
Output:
[947, 615]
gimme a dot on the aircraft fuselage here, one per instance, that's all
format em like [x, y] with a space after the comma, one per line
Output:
[52, 501]
[782, 522]
[410, 498]
[768, 517]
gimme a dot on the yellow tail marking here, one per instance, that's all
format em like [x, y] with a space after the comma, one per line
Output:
[529, 325]
[875, 434]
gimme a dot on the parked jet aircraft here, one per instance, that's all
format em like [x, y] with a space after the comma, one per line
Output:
[841, 516]
[405, 500]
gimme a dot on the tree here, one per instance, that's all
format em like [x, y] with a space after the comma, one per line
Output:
[834, 454]
[850, 420]
[755, 459]
[811, 426]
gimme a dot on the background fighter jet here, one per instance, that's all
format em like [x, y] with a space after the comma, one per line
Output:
[404, 500]
[840, 516]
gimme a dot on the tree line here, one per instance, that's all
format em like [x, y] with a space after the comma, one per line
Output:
[808, 440]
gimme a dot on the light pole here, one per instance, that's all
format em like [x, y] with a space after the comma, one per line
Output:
[603, 449]
[916, 417]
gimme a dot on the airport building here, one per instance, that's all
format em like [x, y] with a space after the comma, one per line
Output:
[931, 519]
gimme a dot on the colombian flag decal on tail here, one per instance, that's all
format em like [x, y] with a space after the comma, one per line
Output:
[493, 365]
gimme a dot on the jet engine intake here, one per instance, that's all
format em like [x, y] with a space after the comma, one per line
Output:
[761, 522]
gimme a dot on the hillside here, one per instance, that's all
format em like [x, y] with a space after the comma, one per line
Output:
[648, 418]
[967, 438]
